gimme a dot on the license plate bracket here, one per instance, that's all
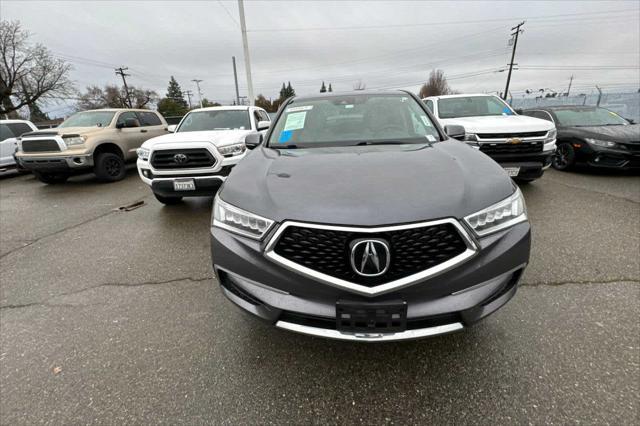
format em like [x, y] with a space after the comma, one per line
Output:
[512, 171]
[184, 185]
[371, 317]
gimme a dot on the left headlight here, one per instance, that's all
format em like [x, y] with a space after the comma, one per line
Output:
[501, 215]
[601, 143]
[74, 140]
[239, 221]
[143, 154]
[232, 150]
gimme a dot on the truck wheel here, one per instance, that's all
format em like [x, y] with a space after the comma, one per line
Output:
[109, 167]
[564, 158]
[51, 178]
[167, 200]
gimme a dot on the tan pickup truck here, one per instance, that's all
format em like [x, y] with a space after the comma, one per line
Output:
[99, 140]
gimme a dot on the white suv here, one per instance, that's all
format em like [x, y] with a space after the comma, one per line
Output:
[522, 145]
[197, 156]
[10, 132]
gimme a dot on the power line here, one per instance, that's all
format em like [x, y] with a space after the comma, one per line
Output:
[541, 18]
[229, 13]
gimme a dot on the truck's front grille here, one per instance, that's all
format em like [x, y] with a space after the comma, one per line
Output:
[182, 159]
[411, 250]
[512, 135]
[40, 145]
[508, 148]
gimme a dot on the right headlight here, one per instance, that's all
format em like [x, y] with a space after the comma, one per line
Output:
[598, 142]
[239, 221]
[551, 135]
[143, 153]
[501, 215]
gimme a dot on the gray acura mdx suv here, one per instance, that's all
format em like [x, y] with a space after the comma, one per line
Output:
[358, 218]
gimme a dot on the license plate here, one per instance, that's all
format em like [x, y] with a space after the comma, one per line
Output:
[184, 185]
[372, 317]
[512, 171]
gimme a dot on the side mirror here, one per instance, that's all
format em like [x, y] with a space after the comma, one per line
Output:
[172, 128]
[252, 140]
[263, 125]
[454, 131]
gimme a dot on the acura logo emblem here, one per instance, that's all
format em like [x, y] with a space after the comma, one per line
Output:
[370, 257]
[180, 158]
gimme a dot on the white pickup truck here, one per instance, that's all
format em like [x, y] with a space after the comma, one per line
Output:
[198, 154]
[522, 145]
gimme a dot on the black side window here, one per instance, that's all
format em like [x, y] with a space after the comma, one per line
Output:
[19, 129]
[263, 115]
[149, 119]
[126, 115]
[5, 132]
[256, 116]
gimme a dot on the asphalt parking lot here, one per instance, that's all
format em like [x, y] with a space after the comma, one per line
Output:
[110, 316]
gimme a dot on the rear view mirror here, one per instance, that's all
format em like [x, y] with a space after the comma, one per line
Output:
[263, 125]
[252, 140]
[454, 131]
[171, 128]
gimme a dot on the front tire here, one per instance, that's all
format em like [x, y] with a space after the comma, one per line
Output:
[564, 158]
[51, 178]
[109, 167]
[167, 200]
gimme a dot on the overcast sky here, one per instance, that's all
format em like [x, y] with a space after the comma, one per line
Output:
[384, 44]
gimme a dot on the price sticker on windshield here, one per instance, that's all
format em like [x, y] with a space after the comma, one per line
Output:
[295, 121]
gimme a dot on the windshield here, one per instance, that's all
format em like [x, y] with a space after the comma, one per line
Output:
[89, 119]
[353, 120]
[215, 120]
[472, 106]
[589, 117]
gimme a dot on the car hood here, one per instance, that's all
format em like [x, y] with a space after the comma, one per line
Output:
[630, 133]
[84, 131]
[216, 137]
[367, 186]
[500, 124]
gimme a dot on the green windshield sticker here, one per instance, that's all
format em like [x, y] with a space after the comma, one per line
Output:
[300, 108]
[295, 121]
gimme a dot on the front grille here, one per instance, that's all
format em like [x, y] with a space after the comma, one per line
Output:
[411, 250]
[507, 148]
[40, 145]
[195, 158]
[512, 135]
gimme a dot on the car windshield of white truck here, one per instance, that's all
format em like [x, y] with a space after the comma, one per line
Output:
[581, 117]
[349, 120]
[89, 119]
[472, 106]
[215, 120]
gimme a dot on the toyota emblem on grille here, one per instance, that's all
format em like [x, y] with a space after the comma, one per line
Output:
[180, 158]
[370, 257]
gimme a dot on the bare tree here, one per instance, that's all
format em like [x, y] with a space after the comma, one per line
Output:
[435, 86]
[359, 85]
[115, 97]
[28, 72]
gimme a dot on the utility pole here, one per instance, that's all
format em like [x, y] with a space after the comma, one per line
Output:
[570, 81]
[235, 78]
[121, 72]
[197, 82]
[189, 93]
[516, 32]
[245, 45]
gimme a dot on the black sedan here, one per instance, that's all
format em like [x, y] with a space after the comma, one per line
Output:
[592, 136]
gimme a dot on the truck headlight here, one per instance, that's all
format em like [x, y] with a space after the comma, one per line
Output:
[73, 140]
[601, 143]
[551, 135]
[239, 221]
[232, 150]
[499, 216]
[143, 154]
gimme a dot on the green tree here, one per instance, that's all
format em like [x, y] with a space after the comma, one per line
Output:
[323, 88]
[290, 91]
[330, 89]
[170, 108]
[36, 114]
[174, 92]
[264, 103]
[207, 103]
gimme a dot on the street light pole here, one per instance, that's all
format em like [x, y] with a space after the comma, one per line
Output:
[195, 80]
[245, 45]
[235, 79]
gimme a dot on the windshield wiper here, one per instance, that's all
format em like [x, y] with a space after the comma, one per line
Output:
[383, 143]
[291, 146]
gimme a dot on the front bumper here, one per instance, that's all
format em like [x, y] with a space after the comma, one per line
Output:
[609, 158]
[532, 165]
[55, 163]
[447, 302]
